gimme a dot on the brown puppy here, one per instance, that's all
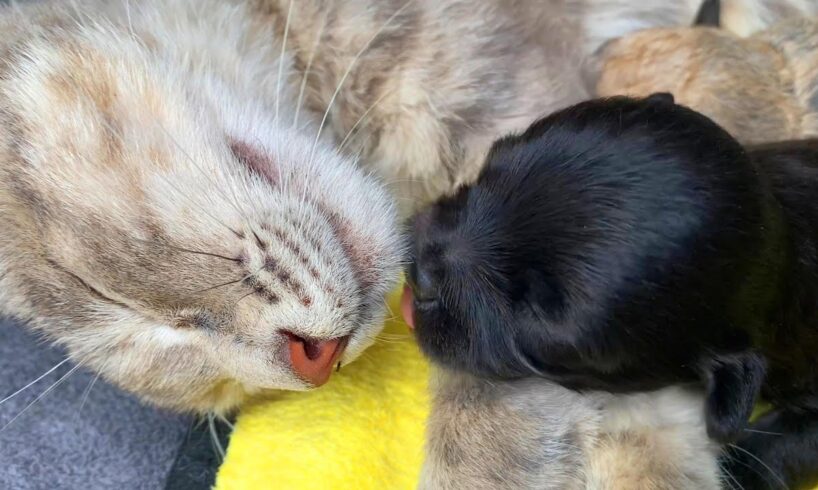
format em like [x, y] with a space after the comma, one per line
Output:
[761, 88]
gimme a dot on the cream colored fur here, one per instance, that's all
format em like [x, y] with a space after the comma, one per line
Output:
[746, 17]
[761, 88]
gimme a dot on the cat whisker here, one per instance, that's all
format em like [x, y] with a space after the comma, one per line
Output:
[281, 58]
[214, 436]
[187, 250]
[311, 157]
[396, 336]
[403, 181]
[731, 476]
[763, 432]
[357, 156]
[128, 16]
[225, 421]
[360, 119]
[78, 12]
[244, 296]
[223, 284]
[88, 392]
[732, 481]
[35, 381]
[234, 203]
[306, 75]
[348, 71]
[389, 308]
[762, 463]
[41, 396]
[202, 209]
[170, 183]
[208, 254]
[386, 342]
[389, 341]
[396, 319]
[248, 276]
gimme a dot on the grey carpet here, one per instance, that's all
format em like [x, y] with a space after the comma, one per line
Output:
[110, 441]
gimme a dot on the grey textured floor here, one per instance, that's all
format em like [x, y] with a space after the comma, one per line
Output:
[110, 441]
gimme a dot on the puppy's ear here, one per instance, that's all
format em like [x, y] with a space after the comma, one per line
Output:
[733, 382]
[661, 98]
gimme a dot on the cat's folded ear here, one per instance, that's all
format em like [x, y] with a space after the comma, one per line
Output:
[732, 383]
[709, 14]
[661, 98]
[592, 67]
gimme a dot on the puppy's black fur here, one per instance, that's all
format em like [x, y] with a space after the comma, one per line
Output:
[625, 245]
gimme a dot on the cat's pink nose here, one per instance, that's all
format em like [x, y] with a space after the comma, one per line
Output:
[313, 360]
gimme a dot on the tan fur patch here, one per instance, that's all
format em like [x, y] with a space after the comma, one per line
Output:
[759, 88]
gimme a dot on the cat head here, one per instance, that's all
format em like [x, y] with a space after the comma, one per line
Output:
[606, 247]
[177, 235]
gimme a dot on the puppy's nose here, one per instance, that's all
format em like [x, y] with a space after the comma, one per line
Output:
[313, 360]
[406, 307]
[425, 288]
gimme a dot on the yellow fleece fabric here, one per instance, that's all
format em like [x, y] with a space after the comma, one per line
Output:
[363, 430]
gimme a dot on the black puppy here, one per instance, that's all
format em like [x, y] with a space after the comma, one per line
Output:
[626, 245]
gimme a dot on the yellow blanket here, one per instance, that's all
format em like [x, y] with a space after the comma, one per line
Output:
[362, 430]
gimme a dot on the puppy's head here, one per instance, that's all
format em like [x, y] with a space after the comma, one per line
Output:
[604, 248]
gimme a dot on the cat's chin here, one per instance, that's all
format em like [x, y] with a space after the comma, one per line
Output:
[226, 397]
[223, 399]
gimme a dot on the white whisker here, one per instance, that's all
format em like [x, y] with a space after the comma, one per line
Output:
[348, 71]
[40, 396]
[281, 58]
[216, 185]
[763, 432]
[306, 75]
[214, 436]
[128, 16]
[29, 385]
[226, 422]
[762, 463]
[88, 392]
[363, 116]
[170, 183]
[733, 480]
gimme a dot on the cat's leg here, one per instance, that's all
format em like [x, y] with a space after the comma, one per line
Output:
[779, 451]
[525, 434]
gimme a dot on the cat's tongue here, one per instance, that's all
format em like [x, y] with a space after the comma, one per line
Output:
[406, 307]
